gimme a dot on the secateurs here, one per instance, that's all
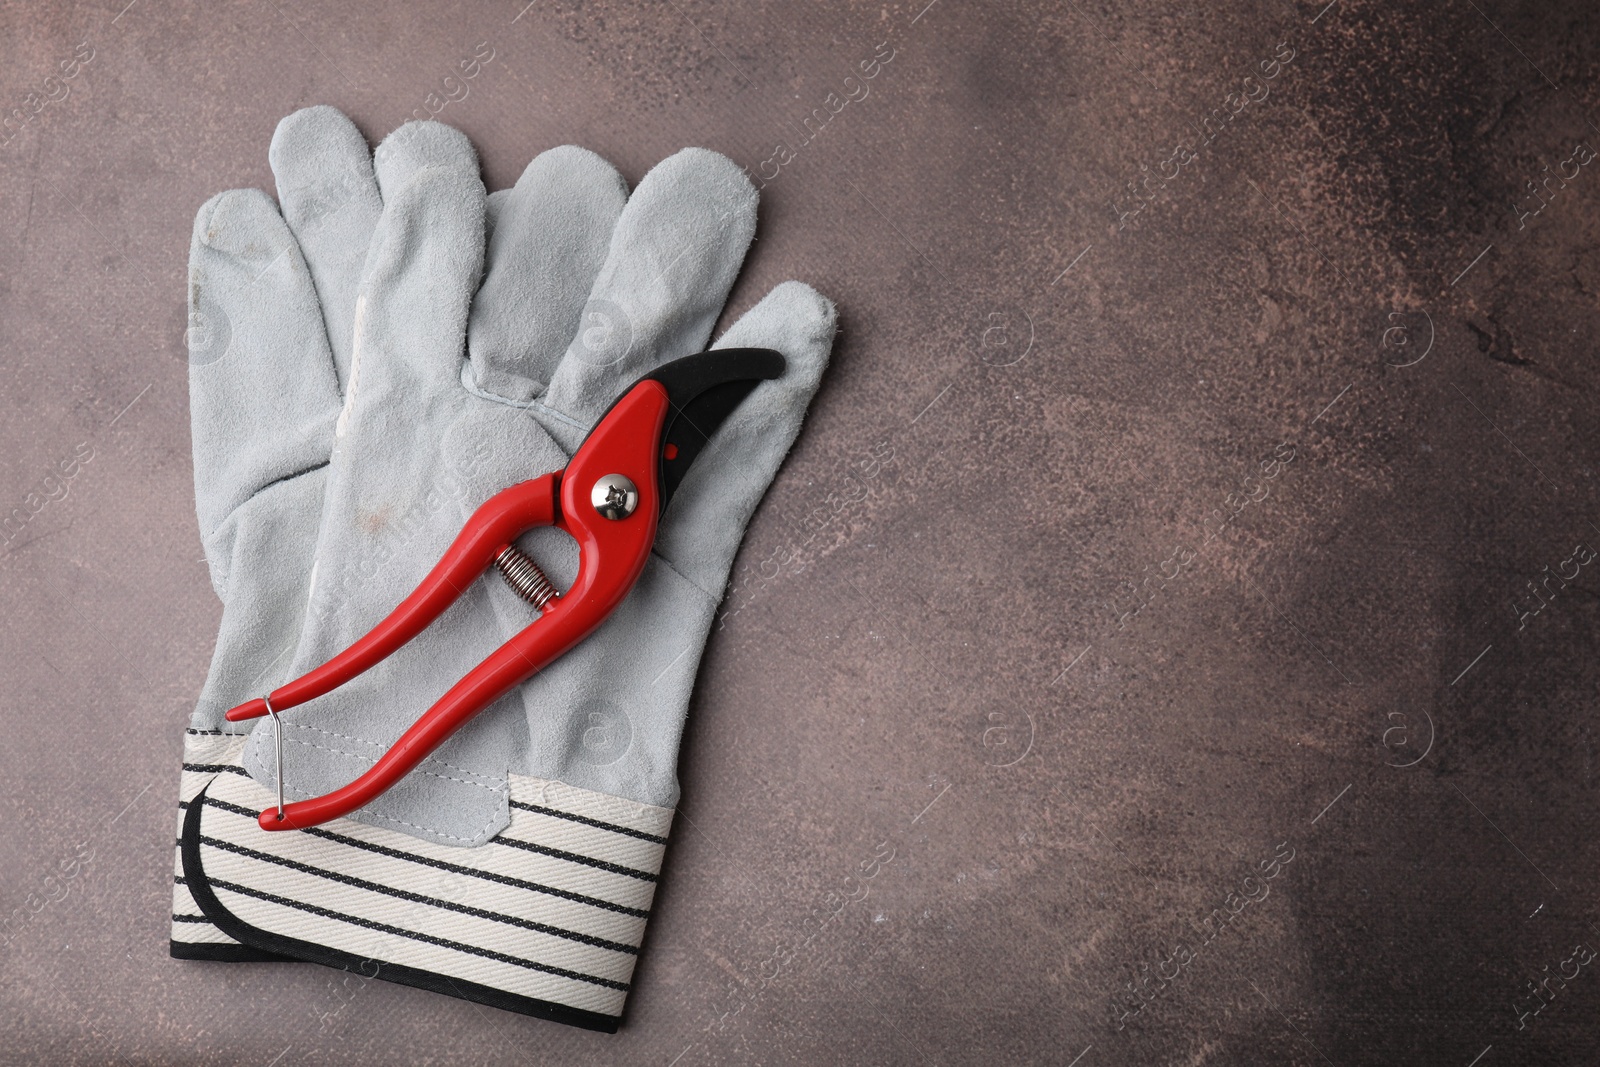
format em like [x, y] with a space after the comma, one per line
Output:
[609, 498]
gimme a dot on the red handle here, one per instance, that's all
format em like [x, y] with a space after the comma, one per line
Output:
[611, 556]
[499, 521]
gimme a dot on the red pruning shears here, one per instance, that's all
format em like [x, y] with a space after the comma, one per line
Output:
[609, 499]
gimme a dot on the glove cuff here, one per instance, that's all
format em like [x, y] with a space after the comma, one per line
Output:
[545, 919]
[195, 937]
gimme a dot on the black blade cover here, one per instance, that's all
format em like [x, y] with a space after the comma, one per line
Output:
[704, 389]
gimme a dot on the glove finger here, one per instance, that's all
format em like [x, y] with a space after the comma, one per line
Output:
[549, 237]
[423, 266]
[263, 395]
[674, 255]
[330, 200]
[702, 528]
[417, 146]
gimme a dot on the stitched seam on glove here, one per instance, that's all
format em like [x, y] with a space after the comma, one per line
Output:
[476, 839]
[715, 598]
[419, 770]
[470, 384]
[497, 782]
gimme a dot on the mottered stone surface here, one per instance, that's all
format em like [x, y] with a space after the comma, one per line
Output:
[1170, 642]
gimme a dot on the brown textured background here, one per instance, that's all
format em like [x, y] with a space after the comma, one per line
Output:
[946, 792]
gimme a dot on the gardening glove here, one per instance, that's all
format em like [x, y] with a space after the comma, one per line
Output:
[272, 299]
[268, 371]
[516, 866]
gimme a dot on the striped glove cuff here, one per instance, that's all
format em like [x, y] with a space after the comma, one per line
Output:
[545, 919]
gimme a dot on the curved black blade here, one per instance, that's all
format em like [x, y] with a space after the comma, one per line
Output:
[704, 390]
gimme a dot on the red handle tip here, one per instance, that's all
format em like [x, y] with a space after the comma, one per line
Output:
[250, 709]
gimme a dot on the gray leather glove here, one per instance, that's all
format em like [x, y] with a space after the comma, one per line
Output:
[272, 301]
[562, 792]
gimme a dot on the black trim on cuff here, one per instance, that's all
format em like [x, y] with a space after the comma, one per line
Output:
[216, 952]
[281, 946]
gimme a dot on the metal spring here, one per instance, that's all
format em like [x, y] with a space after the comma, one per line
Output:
[524, 577]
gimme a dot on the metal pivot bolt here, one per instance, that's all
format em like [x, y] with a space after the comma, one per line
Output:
[614, 496]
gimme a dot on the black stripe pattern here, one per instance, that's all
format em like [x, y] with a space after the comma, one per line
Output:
[569, 816]
[443, 865]
[415, 935]
[416, 898]
[569, 882]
